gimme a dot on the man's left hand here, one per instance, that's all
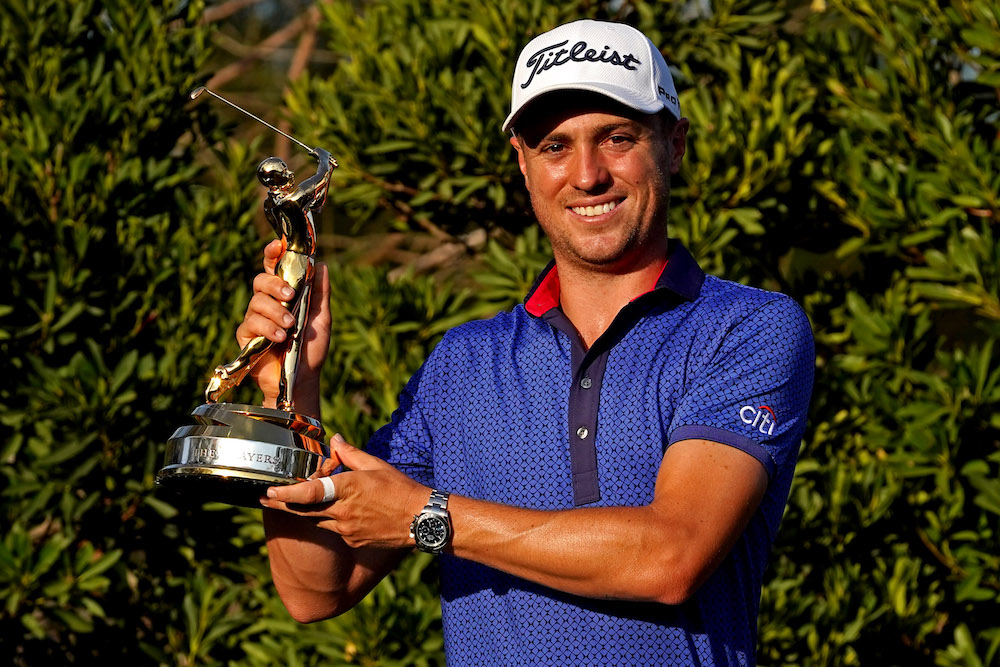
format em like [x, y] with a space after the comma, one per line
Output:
[366, 510]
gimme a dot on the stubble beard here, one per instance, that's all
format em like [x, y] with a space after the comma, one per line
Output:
[624, 253]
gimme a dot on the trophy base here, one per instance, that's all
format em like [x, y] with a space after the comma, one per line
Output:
[233, 487]
[236, 451]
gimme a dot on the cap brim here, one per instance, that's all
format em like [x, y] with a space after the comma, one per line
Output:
[612, 92]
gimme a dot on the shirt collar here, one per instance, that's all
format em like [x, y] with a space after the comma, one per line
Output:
[681, 275]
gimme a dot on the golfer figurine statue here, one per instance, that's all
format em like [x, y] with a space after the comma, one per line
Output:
[236, 451]
[289, 210]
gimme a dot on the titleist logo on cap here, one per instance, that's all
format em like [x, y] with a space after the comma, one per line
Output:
[546, 58]
[599, 57]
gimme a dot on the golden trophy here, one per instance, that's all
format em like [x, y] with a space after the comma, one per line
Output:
[235, 451]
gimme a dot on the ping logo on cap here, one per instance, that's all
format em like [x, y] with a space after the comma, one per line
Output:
[547, 57]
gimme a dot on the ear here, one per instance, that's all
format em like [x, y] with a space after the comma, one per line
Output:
[516, 143]
[678, 144]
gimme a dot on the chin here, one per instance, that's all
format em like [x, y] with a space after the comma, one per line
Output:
[611, 256]
[602, 261]
[607, 252]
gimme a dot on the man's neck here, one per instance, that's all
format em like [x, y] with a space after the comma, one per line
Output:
[592, 299]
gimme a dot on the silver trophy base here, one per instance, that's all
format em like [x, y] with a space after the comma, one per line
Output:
[236, 451]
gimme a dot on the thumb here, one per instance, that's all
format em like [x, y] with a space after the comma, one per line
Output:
[319, 304]
[272, 252]
[352, 457]
[317, 343]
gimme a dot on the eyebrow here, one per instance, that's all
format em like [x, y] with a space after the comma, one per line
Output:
[631, 125]
[620, 125]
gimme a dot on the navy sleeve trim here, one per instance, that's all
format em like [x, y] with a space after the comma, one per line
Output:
[740, 442]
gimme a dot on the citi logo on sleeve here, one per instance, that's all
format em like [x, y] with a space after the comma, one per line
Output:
[546, 58]
[761, 418]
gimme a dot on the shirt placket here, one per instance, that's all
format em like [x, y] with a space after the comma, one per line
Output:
[584, 404]
[681, 279]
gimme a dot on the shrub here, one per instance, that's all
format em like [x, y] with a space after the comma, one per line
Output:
[843, 152]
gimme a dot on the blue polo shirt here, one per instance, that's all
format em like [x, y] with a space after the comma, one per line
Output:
[514, 410]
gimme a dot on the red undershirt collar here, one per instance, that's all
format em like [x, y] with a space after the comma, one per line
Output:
[545, 296]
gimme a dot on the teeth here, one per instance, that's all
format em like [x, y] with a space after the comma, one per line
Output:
[590, 211]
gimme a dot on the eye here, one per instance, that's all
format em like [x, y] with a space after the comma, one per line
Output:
[619, 139]
[553, 148]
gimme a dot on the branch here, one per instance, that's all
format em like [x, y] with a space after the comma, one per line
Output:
[262, 50]
[299, 61]
[225, 10]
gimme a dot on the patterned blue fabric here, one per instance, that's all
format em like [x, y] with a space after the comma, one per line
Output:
[489, 416]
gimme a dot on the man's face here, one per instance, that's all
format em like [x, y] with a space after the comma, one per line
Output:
[599, 179]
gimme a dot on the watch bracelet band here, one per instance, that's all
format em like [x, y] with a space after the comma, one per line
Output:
[438, 500]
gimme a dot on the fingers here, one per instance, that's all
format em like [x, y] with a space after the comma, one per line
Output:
[264, 317]
[317, 491]
[314, 491]
[306, 499]
[303, 493]
[272, 286]
[354, 458]
[322, 511]
[373, 506]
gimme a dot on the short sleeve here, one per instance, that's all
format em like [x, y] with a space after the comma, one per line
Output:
[406, 441]
[753, 393]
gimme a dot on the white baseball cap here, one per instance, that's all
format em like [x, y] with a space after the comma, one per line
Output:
[612, 59]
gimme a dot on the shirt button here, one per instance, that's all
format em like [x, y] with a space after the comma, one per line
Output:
[586, 383]
[582, 432]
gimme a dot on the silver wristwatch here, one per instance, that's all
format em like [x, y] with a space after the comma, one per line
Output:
[431, 529]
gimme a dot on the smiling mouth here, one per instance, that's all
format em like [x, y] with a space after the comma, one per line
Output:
[591, 211]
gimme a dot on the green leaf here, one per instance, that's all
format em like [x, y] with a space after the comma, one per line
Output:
[102, 564]
[32, 625]
[982, 38]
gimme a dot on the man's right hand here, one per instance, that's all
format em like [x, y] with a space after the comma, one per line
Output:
[267, 317]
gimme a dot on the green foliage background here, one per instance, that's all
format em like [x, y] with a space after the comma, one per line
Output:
[845, 152]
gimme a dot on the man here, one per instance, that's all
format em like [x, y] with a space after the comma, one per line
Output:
[618, 449]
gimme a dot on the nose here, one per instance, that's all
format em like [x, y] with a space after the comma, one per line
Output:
[589, 171]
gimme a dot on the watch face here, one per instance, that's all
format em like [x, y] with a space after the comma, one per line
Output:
[431, 531]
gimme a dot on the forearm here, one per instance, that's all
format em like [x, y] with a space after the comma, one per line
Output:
[310, 569]
[705, 495]
[631, 553]
[316, 574]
